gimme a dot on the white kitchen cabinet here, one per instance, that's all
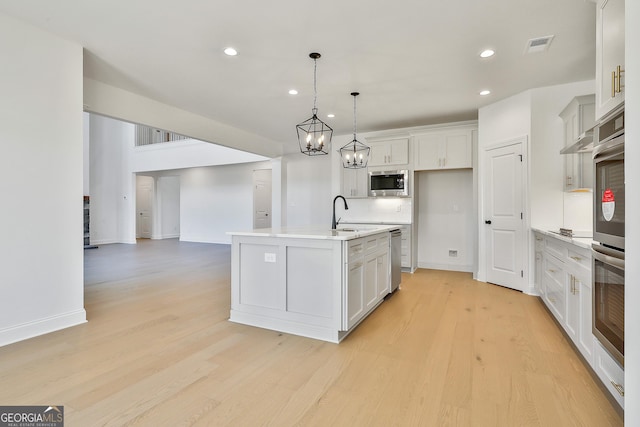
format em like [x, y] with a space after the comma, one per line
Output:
[452, 149]
[368, 278]
[608, 370]
[564, 261]
[553, 285]
[355, 292]
[539, 246]
[406, 250]
[354, 182]
[610, 61]
[578, 324]
[389, 152]
[579, 118]
[567, 288]
[383, 275]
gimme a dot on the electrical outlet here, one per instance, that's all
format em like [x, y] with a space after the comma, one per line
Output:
[399, 208]
[269, 257]
[453, 253]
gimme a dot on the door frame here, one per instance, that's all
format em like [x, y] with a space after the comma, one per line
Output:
[529, 287]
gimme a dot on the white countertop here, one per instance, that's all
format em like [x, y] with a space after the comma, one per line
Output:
[583, 242]
[344, 232]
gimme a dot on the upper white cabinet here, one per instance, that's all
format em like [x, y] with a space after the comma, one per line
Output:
[579, 119]
[450, 149]
[354, 182]
[609, 56]
[389, 152]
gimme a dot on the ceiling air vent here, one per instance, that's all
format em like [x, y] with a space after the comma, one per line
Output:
[539, 44]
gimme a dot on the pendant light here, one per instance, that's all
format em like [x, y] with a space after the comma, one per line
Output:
[355, 155]
[314, 135]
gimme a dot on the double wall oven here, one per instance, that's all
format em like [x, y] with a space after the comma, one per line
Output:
[608, 235]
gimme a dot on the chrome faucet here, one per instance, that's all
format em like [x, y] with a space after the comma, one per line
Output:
[334, 223]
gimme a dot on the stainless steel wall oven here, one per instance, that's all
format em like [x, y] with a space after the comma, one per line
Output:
[608, 234]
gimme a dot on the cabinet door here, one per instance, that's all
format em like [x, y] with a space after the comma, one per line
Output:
[572, 319]
[370, 281]
[554, 288]
[355, 293]
[457, 151]
[354, 182]
[428, 152]
[399, 152]
[609, 56]
[379, 154]
[585, 336]
[382, 275]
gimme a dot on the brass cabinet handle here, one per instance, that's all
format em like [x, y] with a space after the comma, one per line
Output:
[552, 299]
[618, 388]
[619, 78]
[613, 84]
[576, 258]
[551, 270]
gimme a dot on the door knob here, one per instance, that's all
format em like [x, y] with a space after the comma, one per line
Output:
[488, 221]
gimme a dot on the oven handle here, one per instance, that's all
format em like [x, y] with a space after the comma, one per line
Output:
[608, 256]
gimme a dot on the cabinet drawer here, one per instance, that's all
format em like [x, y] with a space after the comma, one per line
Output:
[554, 296]
[539, 242]
[355, 249]
[579, 258]
[554, 269]
[611, 374]
[555, 247]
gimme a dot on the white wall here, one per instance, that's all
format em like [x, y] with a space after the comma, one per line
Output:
[112, 184]
[113, 102]
[40, 181]
[632, 215]
[502, 121]
[186, 154]
[215, 200]
[446, 219]
[534, 115]
[546, 164]
[308, 190]
[168, 207]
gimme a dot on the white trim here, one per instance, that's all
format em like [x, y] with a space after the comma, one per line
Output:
[447, 267]
[41, 326]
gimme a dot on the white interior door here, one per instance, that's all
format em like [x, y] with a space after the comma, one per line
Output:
[262, 198]
[144, 206]
[504, 215]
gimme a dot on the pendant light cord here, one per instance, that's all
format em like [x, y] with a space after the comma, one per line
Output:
[354, 119]
[315, 90]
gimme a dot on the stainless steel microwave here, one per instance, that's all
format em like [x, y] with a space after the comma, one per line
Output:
[389, 183]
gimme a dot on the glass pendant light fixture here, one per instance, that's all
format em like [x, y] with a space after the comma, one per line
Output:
[314, 135]
[355, 155]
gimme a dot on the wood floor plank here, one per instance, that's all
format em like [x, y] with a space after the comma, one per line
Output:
[158, 350]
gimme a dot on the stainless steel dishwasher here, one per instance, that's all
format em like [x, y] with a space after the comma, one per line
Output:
[396, 259]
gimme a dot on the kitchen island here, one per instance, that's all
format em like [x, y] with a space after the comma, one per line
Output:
[310, 281]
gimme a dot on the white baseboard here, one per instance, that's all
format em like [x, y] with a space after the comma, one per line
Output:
[447, 267]
[104, 242]
[166, 236]
[41, 326]
[200, 239]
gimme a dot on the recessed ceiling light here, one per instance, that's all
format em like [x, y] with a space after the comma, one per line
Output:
[230, 51]
[293, 92]
[331, 115]
[485, 92]
[487, 53]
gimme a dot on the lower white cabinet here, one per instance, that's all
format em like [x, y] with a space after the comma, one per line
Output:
[611, 374]
[579, 314]
[563, 275]
[367, 281]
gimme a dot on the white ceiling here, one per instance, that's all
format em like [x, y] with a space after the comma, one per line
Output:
[415, 62]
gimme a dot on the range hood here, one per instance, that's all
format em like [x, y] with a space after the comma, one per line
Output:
[583, 144]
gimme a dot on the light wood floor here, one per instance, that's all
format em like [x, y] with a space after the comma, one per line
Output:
[158, 351]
